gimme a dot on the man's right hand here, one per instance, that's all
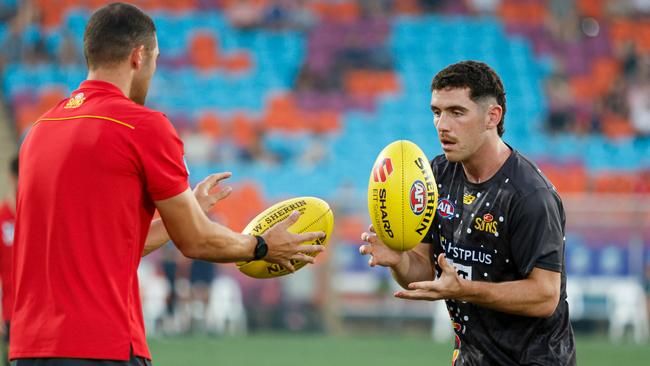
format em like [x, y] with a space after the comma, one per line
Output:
[285, 246]
[380, 254]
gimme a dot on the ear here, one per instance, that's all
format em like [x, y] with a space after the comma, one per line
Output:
[137, 57]
[493, 116]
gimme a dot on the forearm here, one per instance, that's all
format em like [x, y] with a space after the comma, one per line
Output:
[222, 245]
[156, 238]
[525, 297]
[412, 268]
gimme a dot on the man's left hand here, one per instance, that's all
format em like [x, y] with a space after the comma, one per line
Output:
[448, 286]
[202, 190]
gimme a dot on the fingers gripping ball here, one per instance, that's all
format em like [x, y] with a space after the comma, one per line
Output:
[316, 215]
[402, 195]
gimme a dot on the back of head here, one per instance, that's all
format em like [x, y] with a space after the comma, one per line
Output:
[113, 31]
[479, 78]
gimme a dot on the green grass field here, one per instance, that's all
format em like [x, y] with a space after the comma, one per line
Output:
[316, 350]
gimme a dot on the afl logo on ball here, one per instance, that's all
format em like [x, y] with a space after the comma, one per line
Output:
[446, 209]
[418, 197]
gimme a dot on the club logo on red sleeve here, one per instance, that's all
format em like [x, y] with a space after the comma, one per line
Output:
[75, 102]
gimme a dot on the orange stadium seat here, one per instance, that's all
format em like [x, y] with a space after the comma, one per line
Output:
[210, 125]
[327, 121]
[622, 31]
[512, 11]
[27, 114]
[244, 131]
[180, 5]
[94, 4]
[643, 37]
[567, 178]
[343, 11]
[616, 127]
[605, 71]
[583, 87]
[407, 7]
[237, 62]
[51, 12]
[370, 83]
[244, 203]
[591, 8]
[204, 51]
[25, 117]
[283, 114]
[614, 182]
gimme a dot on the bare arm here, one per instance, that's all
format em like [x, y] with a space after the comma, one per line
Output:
[410, 266]
[415, 266]
[158, 236]
[198, 237]
[535, 296]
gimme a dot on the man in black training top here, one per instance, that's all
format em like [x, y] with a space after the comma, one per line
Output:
[496, 246]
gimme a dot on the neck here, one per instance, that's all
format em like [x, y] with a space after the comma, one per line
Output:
[117, 76]
[487, 161]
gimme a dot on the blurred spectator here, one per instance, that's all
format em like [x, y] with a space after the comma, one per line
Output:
[244, 14]
[201, 276]
[68, 52]
[561, 111]
[484, 7]
[169, 267]
[639, 101]
[630, 61]
[293, 14]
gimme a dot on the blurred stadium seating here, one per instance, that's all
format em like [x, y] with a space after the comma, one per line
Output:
[297, 98]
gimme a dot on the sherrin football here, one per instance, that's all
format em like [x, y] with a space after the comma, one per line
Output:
[316, 215]
[402, 195]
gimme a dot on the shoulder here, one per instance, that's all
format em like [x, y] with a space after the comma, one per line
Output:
[533, 191]
[141, 116]
[525, 177]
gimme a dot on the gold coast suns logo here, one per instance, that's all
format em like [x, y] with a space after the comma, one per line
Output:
[75, 102]
[486, 224]
[468, 199]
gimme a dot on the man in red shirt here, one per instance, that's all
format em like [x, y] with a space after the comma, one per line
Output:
[7, 221]
[93, 170]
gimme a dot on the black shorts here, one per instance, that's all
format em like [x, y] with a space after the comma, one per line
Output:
[134, 361]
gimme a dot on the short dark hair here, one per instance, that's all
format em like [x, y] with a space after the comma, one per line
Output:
[113, 31]
[481, 80]
[13, 166]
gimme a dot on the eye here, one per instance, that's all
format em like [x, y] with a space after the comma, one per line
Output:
[457, 113]
[436, 114]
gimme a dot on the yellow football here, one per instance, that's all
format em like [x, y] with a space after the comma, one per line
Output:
[316, 215]
[402, 195]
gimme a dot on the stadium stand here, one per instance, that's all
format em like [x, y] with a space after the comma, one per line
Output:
[296, 98]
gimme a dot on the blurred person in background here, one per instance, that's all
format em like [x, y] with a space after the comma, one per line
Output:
[496, 253]
[86, 201]
[202, 274]
[7, 222]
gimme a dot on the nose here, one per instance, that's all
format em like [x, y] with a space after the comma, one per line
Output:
[440, 122]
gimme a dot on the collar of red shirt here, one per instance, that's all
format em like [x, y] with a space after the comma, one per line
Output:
[100, 84]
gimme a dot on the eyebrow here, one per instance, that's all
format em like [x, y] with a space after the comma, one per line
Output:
[451, 107]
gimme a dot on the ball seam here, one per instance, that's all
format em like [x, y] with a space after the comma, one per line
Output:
[401, 145]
